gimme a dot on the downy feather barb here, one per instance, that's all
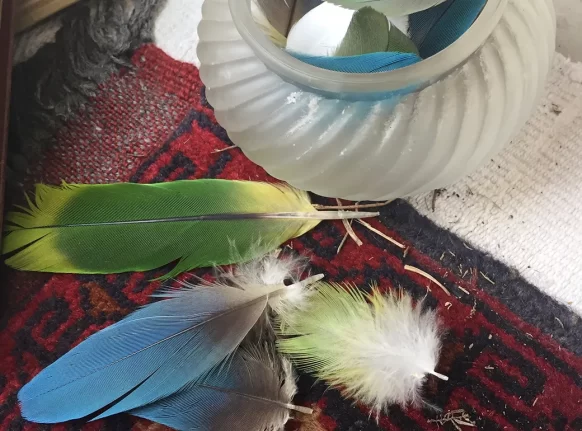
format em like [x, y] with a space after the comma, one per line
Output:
[152, 353]
[113, 228]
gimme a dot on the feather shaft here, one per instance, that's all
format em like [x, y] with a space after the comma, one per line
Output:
[438, 375]
[253, 392]
[300, 409]
[378, 348]
[434, 29]
[321, 215]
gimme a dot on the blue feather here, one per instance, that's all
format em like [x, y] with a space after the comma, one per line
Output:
[365, 63]
[252, 392]
[432, 30]
[147, 356]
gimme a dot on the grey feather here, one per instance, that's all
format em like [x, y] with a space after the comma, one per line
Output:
[252, 391]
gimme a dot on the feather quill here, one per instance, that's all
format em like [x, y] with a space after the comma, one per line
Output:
[253, 391]
[113, 228]
[154, 352]
[378, 348]
[434, 29]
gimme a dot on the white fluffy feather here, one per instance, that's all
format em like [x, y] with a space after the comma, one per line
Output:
[378, 348]
[274, 269]
[321, 31]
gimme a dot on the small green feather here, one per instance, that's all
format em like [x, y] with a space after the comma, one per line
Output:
[113, 228]
[369, 32]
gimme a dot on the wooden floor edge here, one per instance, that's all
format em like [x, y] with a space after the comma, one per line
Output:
[6, 36]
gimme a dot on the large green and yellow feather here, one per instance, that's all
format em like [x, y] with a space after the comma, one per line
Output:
[112, 228]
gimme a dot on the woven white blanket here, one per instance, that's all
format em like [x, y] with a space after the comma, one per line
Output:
[525, 206]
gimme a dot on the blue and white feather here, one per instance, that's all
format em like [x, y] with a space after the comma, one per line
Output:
[159, 349]
[252, 391]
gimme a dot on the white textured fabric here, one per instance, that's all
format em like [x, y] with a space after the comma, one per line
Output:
[525, 207]
[176, 32]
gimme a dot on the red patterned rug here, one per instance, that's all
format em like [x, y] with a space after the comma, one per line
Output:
[513, 355]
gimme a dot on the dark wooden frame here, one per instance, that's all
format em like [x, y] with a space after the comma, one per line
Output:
[6, 37]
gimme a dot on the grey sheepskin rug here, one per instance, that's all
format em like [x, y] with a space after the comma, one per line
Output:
[95, 38]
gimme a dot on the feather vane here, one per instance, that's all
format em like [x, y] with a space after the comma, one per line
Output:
[435, 29]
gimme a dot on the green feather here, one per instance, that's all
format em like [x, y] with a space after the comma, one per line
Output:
[113, 228]
[369, 32]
